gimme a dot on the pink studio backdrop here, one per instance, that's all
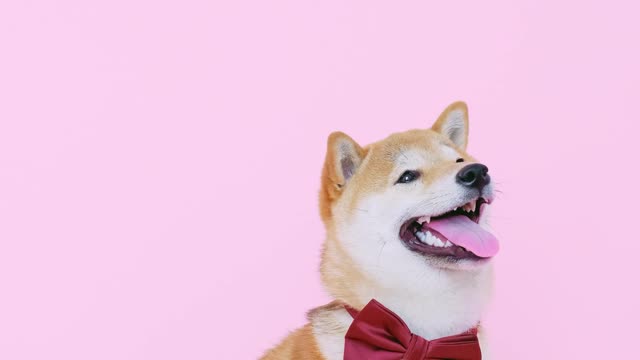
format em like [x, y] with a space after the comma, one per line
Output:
[160, 161]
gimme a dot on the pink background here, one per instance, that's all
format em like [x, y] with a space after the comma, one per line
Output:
[159, 164]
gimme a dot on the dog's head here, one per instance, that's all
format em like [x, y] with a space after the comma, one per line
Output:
[406, 212]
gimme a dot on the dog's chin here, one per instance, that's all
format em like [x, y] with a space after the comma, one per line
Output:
[453, 264]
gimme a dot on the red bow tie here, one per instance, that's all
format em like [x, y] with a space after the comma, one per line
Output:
[377, 333]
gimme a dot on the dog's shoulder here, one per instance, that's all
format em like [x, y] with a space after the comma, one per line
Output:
[300, 344]
[330, 323]
[322, 338]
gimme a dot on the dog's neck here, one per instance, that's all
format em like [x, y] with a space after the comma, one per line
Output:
[452, 307]
[446, 303]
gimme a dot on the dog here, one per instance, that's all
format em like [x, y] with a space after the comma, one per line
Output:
[406, 225]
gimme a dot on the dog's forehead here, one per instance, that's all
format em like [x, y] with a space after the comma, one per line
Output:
[414, 148]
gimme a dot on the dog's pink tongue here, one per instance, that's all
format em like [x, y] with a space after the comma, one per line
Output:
[464, 232]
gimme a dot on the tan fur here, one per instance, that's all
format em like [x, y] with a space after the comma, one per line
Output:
[337, 270]
[458, 105]
[339, 273]
[380, 162]
[300, 344]
[332, 180]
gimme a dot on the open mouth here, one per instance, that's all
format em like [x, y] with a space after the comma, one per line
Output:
[455, 235]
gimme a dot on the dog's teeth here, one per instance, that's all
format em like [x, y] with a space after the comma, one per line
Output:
[469, 207]
[424, 219]
[430, 239]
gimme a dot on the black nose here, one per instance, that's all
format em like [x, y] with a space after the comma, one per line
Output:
[474, 175]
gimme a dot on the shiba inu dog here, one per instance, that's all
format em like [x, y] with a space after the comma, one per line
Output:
[406, 224]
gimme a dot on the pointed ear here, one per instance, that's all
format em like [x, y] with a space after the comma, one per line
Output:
[344, 156]
[454, 124]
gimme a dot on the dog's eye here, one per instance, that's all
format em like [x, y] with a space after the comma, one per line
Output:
[408, 176]
[460, 160]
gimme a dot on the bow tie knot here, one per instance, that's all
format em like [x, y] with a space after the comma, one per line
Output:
[417, 349]
[377, 333]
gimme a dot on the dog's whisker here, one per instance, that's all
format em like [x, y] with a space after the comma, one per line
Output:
[380, 252]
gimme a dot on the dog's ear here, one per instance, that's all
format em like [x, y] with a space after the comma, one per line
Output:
[454, 124]
[344, 156]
